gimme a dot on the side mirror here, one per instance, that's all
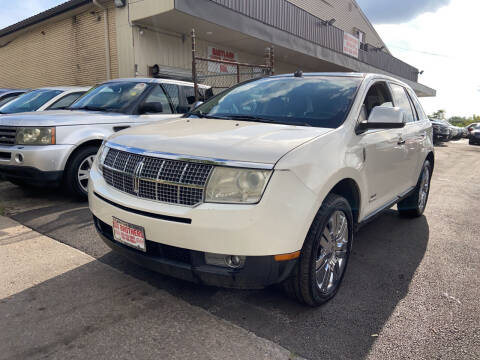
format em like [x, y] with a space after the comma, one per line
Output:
[151, 108]
[383, 117]
[197, 104]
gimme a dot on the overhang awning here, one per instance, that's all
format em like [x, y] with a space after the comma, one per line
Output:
[223, 25]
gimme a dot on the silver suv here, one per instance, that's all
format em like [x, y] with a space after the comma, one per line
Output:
[52, 147]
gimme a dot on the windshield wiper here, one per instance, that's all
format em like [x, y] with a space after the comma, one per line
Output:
[93, 108]
[265, 120]
[202, 115]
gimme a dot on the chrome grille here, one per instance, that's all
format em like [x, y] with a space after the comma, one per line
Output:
[164, 180]
[7, 135]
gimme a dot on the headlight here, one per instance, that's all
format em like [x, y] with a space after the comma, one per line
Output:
[36, 136]
[234, 185]
[101, 155]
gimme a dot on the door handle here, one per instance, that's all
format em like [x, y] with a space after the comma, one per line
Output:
[119, 128]
[401, 141]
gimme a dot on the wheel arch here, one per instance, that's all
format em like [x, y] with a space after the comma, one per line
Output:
[431, 157]
[349, 189]
[91, 142]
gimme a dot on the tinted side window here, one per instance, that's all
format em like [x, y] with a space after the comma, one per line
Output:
[66, 101]
[157, 97]
[401, 100]
[189, 93]
[377, 95]
[418, 106]
[173, 92]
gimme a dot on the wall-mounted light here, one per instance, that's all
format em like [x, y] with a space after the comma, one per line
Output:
[328, 22]
[120, 3]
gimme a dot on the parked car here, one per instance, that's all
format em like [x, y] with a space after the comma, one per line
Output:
[441, 131]
[51, 147]
[51, 98]
[7, 95]
[474, 134]
[266, 182]
[457, 132]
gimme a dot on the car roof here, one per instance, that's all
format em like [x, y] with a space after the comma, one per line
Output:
[366, 76]
[156, 80]
[10, 91]
[66, 88]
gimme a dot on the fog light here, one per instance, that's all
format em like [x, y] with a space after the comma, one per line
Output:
[234, 261]
[19, 158]
[227, 261]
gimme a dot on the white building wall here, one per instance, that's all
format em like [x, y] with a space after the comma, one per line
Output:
[155, 46]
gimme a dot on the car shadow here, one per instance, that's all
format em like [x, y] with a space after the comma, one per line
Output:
[385, 256]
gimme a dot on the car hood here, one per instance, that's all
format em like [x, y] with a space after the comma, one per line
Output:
[63, 118]
[219, 139]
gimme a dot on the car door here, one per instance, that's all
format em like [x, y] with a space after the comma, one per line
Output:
[384, 157]
[424, 132]
[410, 139]
[155, 107]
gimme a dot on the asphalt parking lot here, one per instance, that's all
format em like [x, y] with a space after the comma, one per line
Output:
[411, 291]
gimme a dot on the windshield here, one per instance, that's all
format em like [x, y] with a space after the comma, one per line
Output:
[319, 101]
[30, 101]
[115, 97]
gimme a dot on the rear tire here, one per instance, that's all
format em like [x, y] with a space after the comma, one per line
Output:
[324, 257]
[415, 204]
[77, 171]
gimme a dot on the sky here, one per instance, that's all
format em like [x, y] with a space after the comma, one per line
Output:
[436, 36]
[440, 38]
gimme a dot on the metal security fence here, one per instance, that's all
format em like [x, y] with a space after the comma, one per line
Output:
[223, 74]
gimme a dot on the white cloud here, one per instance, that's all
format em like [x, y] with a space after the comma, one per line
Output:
[452, 32]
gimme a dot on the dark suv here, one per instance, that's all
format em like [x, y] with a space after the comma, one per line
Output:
[441, 131]
[474, 134]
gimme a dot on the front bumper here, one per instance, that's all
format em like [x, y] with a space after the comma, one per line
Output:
[276, 225]
[438, 137]
[30, 175]
[258, 271]
[34, 164]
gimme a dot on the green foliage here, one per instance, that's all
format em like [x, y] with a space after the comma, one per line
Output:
[439, 114]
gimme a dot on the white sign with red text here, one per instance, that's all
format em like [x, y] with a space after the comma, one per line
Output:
[221, 54]
[351, 44]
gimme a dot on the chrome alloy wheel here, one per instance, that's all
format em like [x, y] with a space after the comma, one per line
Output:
[84, 172]
[424, 188]
[332, 252]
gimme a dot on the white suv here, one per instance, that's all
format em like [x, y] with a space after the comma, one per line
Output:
[267, 182]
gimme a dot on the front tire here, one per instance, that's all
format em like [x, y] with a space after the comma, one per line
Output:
[415, 204]
[78, 169]
[325, 253]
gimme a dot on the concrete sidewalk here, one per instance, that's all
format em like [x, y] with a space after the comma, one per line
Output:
[57, 302]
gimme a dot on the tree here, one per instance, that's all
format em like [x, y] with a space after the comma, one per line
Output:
[439, 114]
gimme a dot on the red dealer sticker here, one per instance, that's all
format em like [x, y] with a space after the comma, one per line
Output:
[128, 234]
